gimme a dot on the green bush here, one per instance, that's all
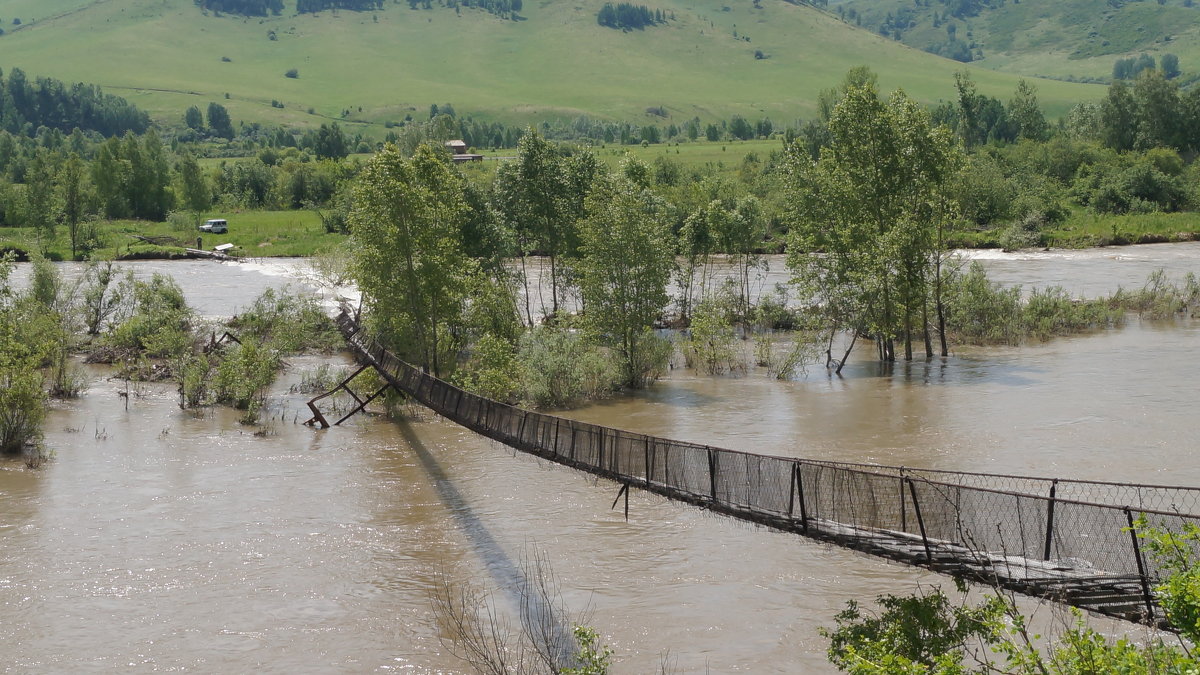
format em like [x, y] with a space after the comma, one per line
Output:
[22, 400]
[491, 371]
[289, 321]
[153, 321]
[982, 312]
[244, 373]
[709, 346]
[560, 369]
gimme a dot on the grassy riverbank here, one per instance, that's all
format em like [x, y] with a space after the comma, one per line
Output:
[1085, 229]
[253, 233]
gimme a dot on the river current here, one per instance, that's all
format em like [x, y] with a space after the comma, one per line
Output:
[163, 540]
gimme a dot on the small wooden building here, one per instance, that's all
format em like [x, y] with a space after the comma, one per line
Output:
[459, 148]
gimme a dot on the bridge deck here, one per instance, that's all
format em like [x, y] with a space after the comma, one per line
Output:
[1067, 541]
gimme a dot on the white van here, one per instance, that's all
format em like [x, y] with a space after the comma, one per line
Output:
[215, 225]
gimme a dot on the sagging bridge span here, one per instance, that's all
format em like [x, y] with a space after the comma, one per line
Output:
[1067, 541]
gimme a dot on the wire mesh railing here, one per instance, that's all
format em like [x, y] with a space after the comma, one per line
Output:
[1027, 533]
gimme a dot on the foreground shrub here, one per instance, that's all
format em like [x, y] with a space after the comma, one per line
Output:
[22, 400]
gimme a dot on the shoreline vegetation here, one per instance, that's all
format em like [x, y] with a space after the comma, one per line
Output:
[301, 234]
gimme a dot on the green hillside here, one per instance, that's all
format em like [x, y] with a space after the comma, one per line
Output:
[1078, 39]
[377, 67]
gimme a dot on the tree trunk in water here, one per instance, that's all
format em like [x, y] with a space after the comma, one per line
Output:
[845, 356]
[941, 313]
[925, 328]
[525, 281]
[553, 287]
[907, 335]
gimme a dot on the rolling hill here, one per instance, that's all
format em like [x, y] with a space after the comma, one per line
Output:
[1076, 39]
[371, 68]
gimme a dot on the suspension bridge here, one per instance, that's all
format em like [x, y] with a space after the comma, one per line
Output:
[1068, 541]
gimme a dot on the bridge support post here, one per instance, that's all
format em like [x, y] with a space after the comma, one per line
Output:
[1141, 567]
[797, 494]
[712, 474]
[1050, 519]
[912, 489]
[648, 466]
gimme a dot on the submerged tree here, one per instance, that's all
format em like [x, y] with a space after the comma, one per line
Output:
[868, 219]
[410, 263]
[628, 256]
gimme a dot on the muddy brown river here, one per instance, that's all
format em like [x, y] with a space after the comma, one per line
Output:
[161, 540]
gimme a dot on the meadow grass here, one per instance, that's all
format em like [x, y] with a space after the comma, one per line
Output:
[1085, 229]
[254, 233]
[368, 68]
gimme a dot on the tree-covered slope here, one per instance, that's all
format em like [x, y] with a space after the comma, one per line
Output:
[1079, 39]
[548, 59]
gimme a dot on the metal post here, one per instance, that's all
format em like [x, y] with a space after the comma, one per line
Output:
[600, 458]
[799, 478]
[712, 473]
[792, 491]
[647, 466]
[1141, 566]
[1050, 518]
[920, 521]
[903, 509]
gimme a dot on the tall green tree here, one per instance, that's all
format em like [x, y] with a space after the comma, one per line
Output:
[194, 191]
[410, 261]
[1158, 111]
[75, 197]
[110, 174]
[39, 199]
[538, 200]
[331, 142]
[864, 238]
[1118, 117]
[627, 259]
[1027, 114]
[219, 120]
[193, 118]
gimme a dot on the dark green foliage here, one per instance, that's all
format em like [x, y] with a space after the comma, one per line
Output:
[1129, 68]
[309, 6]
[329, 142]
[1170, 66]
[219, 121]
[132, 178]
[250, 182]
[243, 7]
[628, 16]
[193, 118]
[25, 106]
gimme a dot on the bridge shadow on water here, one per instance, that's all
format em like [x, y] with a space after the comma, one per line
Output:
[512, 578]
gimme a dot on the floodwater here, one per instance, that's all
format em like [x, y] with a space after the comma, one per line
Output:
[161, 540]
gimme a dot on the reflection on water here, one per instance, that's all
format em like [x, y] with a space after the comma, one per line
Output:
[168, 540]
